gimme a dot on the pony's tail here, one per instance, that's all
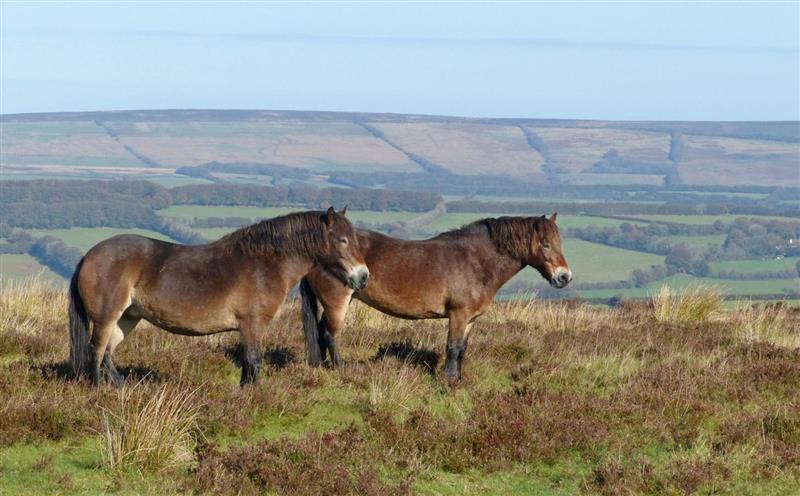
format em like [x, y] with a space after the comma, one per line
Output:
[78, 327]
[310, 324]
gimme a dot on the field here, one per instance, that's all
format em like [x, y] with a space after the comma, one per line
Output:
[788, 263]
[731, 287]
[578, 149]
[696, 241]
[592, 262]
[707, 219]
[729, 161]
[675, 398]
[22, 266]
[468, 148]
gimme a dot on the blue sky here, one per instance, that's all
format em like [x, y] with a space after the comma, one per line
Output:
[590, 60]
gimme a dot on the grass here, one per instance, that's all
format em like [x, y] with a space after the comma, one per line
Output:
[151, 429]
[707, 219]
[694, 304]
[679, 282]
[86, 237]
[770, 265]
[557, 398]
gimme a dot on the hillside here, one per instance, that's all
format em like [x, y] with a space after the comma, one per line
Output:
[153, 144]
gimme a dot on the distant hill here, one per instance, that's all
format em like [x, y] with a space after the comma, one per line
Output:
[152, 144]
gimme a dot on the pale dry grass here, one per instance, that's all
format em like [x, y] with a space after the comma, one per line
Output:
[29, 305]
[396, 389]
[771, 324]
[151, 428]
[550, 316]
[692, 305]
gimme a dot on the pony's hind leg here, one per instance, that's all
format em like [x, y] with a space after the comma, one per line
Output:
[125, 326]
[328, 344]
[103, 331]
[330, 324]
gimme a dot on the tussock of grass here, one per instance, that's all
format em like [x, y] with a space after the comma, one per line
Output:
[770, 323]
[693, 305]
[396, 389]
[151, 428]
[28, 305]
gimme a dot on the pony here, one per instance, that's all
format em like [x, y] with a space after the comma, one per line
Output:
[454, 276]
[236, 283]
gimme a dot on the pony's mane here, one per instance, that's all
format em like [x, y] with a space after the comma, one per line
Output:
[511, 235]
[295, 234]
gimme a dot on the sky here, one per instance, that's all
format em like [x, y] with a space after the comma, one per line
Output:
[572, 60]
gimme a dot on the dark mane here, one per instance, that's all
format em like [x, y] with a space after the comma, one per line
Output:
[511, 235]
[295, 234]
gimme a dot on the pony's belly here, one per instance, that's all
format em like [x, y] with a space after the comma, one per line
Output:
[411, 310]
[198, 324]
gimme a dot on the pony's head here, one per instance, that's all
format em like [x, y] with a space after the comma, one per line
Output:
[340, 254]
[546, 254]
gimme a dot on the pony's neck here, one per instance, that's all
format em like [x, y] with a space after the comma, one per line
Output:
[502, 265]
[506, 268]
[294, 268]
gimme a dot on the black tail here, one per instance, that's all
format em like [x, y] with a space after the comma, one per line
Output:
[78, 327]
[310, 324]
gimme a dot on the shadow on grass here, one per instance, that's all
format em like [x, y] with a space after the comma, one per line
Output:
[62, 371]
[278, 357]
[404, 350]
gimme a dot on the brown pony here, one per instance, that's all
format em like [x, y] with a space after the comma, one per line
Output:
[237, 283]
[454, 275]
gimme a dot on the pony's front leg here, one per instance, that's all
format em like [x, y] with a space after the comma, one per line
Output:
[251, 353]
[459, 327]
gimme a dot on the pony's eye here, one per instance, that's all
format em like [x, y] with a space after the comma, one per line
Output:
[343, 240]
[546, 246]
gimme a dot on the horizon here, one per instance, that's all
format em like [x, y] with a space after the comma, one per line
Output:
[316, 111]
[576, 61]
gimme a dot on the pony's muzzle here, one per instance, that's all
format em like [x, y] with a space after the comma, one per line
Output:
[561, 277]
[358, 278]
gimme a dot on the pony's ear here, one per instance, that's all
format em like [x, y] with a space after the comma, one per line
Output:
[329, 216]
[553, 217]
[344, 211]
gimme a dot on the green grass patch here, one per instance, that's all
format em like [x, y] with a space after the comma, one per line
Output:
[593, 262]
[696, 241]
[770, 264]
[20, 266]
[562, 478]
[708, 219]
[70, 468]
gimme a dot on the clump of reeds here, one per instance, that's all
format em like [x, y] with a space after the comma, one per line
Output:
[150, 428]
[692, 305]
